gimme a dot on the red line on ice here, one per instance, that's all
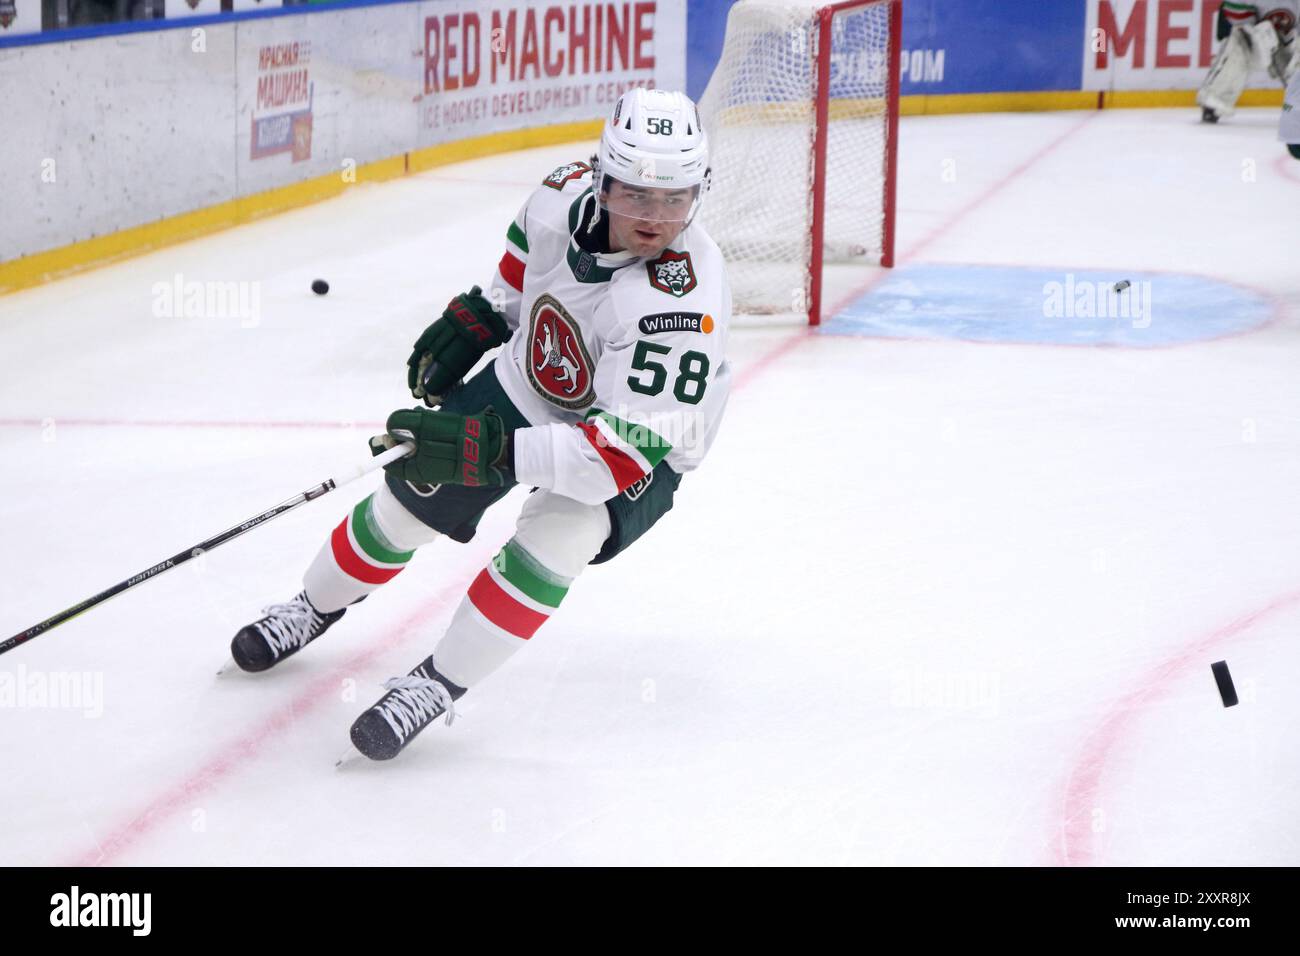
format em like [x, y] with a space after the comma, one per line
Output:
[1288, 167]
[939, 231]
[243, 749]
[785, 346]
[231, 756]
[1083, 782]
[247, 747]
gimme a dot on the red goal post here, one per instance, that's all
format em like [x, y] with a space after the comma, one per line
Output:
[802, 114]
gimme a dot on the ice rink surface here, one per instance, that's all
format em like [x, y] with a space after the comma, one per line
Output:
[940, 594]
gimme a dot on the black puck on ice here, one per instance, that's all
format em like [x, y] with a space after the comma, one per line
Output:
[1224, 680]
[320, 286]
[1122, 284]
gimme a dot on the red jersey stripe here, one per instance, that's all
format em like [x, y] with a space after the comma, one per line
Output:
[512, 270]
[621, 465]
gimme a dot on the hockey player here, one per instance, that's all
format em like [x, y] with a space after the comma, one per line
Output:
[612, 307]
[1288, 128]
[1256, 36]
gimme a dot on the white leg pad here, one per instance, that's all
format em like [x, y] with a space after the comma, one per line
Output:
[1229, 71]
[1286, 61]
[563, 534]
[1288, 130]
[404, 531]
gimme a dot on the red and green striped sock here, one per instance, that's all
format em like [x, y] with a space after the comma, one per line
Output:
[361, 550]
[516, 593]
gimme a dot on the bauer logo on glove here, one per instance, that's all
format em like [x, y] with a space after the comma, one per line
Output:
[450, 449]
[448, 349]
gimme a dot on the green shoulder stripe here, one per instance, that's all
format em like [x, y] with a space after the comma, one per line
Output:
[516, 235]
[641, 437]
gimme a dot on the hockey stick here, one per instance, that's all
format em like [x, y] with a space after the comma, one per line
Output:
[358, 471]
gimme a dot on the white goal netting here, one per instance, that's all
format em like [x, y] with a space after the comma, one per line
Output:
[760, 113]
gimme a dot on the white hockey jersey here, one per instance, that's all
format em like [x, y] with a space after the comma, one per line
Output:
[617, 362]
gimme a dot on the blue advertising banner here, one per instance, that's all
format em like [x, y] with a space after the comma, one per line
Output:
[972, 46]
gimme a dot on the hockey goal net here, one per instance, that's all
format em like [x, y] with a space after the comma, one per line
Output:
[802, 117]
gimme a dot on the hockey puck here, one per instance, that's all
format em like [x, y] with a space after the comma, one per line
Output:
[320, 286]
[1224, 680]
[1122, 284]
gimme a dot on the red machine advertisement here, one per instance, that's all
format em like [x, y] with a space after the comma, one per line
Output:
[1157, 44]
[501, 65]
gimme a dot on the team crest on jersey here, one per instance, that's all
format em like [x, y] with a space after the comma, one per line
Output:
[672, 272]
[638, 487]
[558, 364]
[565, 173]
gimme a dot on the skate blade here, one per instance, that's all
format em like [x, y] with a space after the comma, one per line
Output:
[228, 667]
[350, 757]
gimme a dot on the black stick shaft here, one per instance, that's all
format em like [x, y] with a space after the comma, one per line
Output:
[176, 559]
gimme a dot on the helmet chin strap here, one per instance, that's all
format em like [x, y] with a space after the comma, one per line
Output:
[598, 182]
[699, 197]
[622, 254]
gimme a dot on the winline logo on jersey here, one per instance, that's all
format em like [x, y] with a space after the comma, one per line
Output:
[1088, 299]
[676, 322]
[75, 909]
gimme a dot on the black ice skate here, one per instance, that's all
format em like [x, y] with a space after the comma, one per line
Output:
[1208, 115]
[285, 630]
[411, 704]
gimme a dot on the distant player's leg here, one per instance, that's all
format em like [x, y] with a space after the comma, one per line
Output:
[1288, 130]
[1246, 48]
[555, 538]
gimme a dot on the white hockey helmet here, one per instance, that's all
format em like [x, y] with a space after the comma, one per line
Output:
[654, 140]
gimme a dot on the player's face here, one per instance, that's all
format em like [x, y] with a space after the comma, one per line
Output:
[643, 219]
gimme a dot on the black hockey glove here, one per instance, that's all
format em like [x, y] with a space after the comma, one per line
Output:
[449, 449]
[449, 348]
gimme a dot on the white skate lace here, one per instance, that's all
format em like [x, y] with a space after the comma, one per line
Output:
[288, 625]
[414, 701]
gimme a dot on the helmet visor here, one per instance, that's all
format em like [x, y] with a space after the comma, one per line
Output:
[650, 203]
